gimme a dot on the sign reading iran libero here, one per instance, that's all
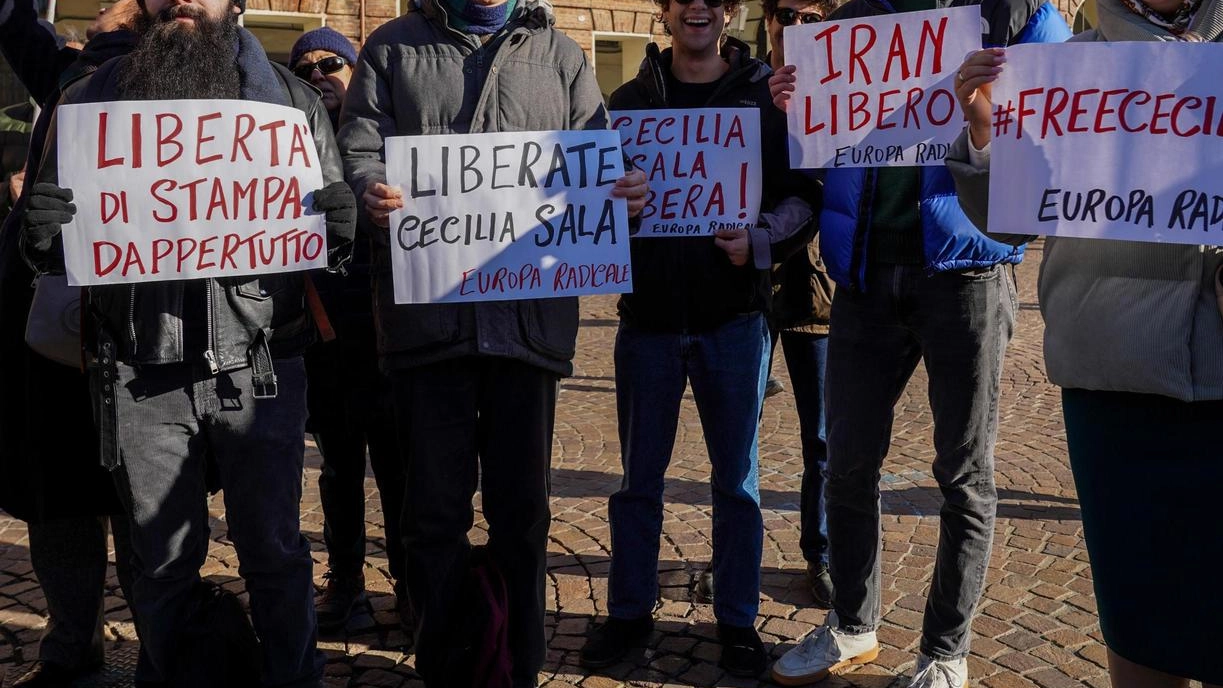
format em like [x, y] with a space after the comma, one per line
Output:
[1132, 150]
[185, 189]
[878, 91]
[703, 165]
[514, 215]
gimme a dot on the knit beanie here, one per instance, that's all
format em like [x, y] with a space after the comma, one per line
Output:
[324, 38]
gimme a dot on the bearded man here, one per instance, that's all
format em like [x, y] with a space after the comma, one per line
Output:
[202, 380]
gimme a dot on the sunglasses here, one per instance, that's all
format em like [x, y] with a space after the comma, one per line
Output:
[327, 65]
[711, 4]
[787, 16]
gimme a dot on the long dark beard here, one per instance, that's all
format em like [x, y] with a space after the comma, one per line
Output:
[174, 60]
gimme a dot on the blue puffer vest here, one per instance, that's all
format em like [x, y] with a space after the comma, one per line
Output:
[950, 240]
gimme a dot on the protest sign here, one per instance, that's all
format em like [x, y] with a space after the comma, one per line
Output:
[703, 165]
[878, 91]
[514, 215]
[183, 189]
[1109, 141]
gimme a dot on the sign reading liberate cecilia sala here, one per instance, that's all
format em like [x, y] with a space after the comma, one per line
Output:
[186, 189]
[513, 215]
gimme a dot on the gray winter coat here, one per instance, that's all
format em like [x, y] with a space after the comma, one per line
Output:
[1121, 316]
[415, 75]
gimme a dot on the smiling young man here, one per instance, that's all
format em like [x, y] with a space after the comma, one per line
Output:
[204, 376]
[696, 315]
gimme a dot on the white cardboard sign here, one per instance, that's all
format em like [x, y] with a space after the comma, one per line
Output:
[1109, 141]
[184, 189]
[878, 91]
[513, 215]
[703, 165]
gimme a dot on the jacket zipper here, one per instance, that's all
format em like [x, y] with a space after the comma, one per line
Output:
[131, 317]
[209, 356]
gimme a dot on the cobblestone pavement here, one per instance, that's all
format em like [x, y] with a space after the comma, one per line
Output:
[1036, 624]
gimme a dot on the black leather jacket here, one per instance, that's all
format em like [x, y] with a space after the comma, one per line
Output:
[145, 320]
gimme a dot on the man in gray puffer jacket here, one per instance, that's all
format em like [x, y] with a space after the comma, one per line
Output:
[475, 383]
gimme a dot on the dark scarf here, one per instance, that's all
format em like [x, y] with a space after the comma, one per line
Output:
[467, 16]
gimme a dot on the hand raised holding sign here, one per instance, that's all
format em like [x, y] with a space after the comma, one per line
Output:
[974, 89]
[736, 244]
[781, 86]
[380, 200]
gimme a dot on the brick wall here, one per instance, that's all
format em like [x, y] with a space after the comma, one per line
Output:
[577, 18]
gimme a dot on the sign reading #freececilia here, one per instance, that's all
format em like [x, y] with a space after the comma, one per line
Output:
[878, 91]
[703, 165]
[514, 215]
[184, 189]
[1109, 141]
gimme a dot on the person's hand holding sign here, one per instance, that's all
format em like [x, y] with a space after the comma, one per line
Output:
[736, 244]
[781, 85]
[50, 209]
[380, 200]
[632, 187]
[973, 88]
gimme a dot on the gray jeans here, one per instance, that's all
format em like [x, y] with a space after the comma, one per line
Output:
[959, 324]
[172, 422]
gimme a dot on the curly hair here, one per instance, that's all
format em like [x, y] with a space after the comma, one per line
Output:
[826, 6]
[731, 7]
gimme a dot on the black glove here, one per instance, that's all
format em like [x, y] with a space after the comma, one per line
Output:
[49, 209]
[339, 205]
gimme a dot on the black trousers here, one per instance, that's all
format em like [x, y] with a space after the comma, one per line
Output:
[351, 409]
[69, 559]
[466, 423]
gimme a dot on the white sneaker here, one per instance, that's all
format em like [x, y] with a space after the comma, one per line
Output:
[824, 651]
[933, 673]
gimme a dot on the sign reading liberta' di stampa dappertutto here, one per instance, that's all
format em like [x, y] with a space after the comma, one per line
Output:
[185, 189]
[515, 215]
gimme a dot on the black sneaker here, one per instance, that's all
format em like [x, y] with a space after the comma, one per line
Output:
[742, 652]
[821, 585]
[608, 643]
[341, 594]
[773, 387]
[407, 613]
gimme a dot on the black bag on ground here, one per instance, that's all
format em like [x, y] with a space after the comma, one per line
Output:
[218, 646]
[482, 623]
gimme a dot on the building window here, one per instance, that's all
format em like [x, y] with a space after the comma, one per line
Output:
[617, 59]
[278, 31]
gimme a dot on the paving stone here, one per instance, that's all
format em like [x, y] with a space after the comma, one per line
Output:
[1036, 626]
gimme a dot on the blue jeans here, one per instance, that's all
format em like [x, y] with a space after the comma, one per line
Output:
[172, 421]
[727, 368]
[806, 358]
[959, 323]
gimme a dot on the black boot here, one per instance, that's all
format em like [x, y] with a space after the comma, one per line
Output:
[341, 594]
[821, 585]
[742, 652]
[609, 643]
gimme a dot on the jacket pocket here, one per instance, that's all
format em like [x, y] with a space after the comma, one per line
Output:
[412, 327]
[550, 326]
